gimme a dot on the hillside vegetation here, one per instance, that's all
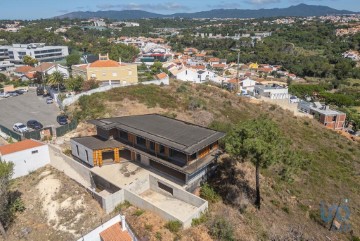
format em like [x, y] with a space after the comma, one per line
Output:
[328, 170]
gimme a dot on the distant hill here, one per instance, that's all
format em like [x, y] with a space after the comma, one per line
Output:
[301, 10]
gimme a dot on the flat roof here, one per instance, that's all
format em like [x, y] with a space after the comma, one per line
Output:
[95, 142]
[179, 135]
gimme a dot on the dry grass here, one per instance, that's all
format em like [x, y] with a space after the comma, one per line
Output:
[328, 172]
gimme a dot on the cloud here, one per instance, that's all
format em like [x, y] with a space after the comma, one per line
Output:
[254, 2]
[137, 6]
[224, 5]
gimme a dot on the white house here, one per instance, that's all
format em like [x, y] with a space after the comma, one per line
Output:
[195, 76]
[272, 92]
[27, 156]
[247, 84]
[49, 68]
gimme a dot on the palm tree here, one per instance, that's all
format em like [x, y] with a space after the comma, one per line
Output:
[56, 78]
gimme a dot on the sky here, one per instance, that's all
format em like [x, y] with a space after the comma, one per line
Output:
[36, 9]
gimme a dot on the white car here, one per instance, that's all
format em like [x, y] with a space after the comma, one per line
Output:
[4, 95]
[20, 127]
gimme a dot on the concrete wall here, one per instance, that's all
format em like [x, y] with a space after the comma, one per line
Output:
[142, 203]
[110, 202]
[177, 192]
[82, 152]
[79, 168]
[28, 160]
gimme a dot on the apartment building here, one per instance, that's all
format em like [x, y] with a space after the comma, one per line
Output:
[16, 52]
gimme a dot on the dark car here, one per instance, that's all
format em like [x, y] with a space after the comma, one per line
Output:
[13, 93]
[20, 92]
[34, 124]
[62, 119]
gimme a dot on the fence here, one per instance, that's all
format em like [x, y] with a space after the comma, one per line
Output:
[62, 130]
[39, 134]
[10, 133]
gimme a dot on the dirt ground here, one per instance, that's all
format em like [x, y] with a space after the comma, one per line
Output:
[57, 208]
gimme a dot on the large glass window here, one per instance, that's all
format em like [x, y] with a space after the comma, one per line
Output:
[140, 141]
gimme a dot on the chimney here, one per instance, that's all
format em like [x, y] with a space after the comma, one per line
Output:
[123, 225]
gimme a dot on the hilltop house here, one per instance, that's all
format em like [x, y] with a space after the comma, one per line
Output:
[177, 149]
[332, 119]
[107, 71]
[195, 76]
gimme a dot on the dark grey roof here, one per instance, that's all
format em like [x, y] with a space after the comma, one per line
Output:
[180, 135]
[96, 143]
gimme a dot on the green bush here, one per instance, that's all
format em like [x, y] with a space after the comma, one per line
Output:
[122, 206]
[202, 219]
[208, 193]
[222, 230]
[173, 226]
[355, 238]
[17, 205]
[138, 212]
[158, 236]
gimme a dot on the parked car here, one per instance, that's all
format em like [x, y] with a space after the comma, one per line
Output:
[49, 100]
[34, 124]
[294, 99]
[4, 95]
[20, 91]
[62, 119]
[20, 127]
[12, 93]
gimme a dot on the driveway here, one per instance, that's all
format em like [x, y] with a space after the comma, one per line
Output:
[26, 107]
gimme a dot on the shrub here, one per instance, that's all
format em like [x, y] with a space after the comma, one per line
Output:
[17, 205]
[181, 89]
[148, 227]
[122, 206]
[208, 193]
[138, 212]
[173, 226]
[202, 219]
[355, 238]
[158, 236]
[286, 209]
[222, 230]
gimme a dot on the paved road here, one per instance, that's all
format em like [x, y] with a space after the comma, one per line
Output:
[26, 107]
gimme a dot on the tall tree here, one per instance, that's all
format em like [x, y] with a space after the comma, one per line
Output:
[56, 78]
[6, 171]
[29, 60]
[260, 142]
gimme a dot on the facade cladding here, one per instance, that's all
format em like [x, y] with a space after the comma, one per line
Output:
[16, 52]
[179, 149]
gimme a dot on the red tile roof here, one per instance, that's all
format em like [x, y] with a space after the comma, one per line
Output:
[23, 69]
[161, 76]
[19, 146]
[43, 67]
[114, 233]
[214, 60]
[105, 63]
[219, 66]
[30, 75]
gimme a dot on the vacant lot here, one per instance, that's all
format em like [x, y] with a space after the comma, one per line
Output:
[26, 107]
[57, 208]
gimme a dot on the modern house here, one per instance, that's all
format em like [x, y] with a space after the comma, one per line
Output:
[107, 71]
[272, 92]
[179, 150]
[27, 156]
[332, 119]
[16, 52]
